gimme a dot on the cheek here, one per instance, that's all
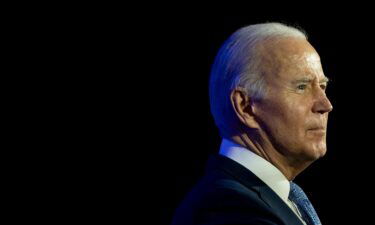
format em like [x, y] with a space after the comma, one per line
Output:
[285, 118]
[292, 124]
[293, 117]
[284, 124]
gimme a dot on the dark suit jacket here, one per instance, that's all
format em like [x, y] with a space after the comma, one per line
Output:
[229, 194]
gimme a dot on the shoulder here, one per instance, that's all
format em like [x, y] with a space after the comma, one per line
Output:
[223, 199]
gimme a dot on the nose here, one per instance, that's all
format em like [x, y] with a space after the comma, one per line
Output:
[322, 104]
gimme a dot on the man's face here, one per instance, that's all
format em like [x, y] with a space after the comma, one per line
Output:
[293, 115]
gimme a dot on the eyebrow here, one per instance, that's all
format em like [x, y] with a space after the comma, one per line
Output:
[309, 80]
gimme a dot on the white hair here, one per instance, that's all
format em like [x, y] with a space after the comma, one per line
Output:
[238, 64]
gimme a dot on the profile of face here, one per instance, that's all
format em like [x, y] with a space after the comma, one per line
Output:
[293, 114]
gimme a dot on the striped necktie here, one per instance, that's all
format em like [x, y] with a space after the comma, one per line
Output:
[305, 207]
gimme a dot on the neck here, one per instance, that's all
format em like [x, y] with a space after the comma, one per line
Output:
[264, 148]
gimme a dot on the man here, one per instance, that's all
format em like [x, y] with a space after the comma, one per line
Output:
[267, 95]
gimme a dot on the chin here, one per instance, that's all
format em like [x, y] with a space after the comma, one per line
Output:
[312, 152]
[321, 154]
[318, 153]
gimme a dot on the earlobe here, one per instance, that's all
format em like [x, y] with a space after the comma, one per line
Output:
[243, 107]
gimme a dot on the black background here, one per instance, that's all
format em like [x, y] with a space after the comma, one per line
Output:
[183, 133]
[115, 112]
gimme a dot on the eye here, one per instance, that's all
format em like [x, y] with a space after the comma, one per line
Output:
[323, 86]
[302, 87]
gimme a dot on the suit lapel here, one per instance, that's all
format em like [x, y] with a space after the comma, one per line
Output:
[251, 181]
[278, 205]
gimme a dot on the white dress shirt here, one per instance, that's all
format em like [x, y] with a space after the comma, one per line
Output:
[263, 169]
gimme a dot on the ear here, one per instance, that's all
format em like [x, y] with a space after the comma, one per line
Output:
[243, 107]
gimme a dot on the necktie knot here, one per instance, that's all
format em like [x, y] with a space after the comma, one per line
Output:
[298, 196]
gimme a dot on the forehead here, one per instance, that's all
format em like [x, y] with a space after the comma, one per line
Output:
[290, 58]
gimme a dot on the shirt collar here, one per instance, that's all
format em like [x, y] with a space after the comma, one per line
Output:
[263, 169]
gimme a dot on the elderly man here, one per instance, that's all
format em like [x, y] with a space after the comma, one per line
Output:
[267, 94]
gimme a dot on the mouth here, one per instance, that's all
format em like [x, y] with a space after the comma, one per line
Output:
[318, 128]
[321, 131]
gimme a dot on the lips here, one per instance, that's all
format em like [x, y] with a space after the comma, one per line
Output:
[318, 131]
[317, 128]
